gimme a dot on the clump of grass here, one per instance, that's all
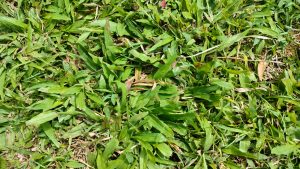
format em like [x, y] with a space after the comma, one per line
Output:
[149, 84]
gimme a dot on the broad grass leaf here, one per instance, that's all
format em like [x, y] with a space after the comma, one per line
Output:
[76, 27]
[70, 90]
[178, 116]
[203, 89]
[80, 101]
[44, 105]
[3, 163]
[202, 163]
[268, 31]
[228, 41]
[123, 89]
[151, 137]
[262, 13]
[107, 72]
[91, 114]
[102, 82]
[137, 117]
[168, 90]
[92, 158]
[8, 24]
[152, 165]
[108, 40]
[110, 48]
[164, 68]
[289, 85]
[178, 128]
[74, 164]
[7, 37]
[84, 55]
[2, 141]
[83, 37]
[187, 15]
[49, 131]
[244, 145]
[236, 152]
[121, 29]
[56, 16]
[223, 84]
[284, 149]
[161, 160]
[146, 145]
[110, 147]
[56, 89]
[3, 120]
[2, 83]
[42, 118]
[143, 158]
[95, 98]
[74, 132]
[120, 163]
[146, 98]
[133, 29]
[101, 162]
[41, 85]
[164, 149]
[231, 129]
[204, 92]
[160, 126]
[260, 47]
[161, 43]
[209, 138]
[142, 56]
[67, 6]
[114, 27]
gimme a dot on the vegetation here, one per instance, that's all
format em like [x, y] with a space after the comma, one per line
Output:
[149, 84]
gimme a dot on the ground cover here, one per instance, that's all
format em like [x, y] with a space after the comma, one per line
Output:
[149, 84]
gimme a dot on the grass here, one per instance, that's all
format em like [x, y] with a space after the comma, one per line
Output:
[149, 84]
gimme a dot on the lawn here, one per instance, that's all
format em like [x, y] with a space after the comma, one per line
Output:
[148, 84]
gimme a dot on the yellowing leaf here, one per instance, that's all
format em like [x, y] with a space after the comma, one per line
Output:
[129, 82]
[262, 65]
[243, 90]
